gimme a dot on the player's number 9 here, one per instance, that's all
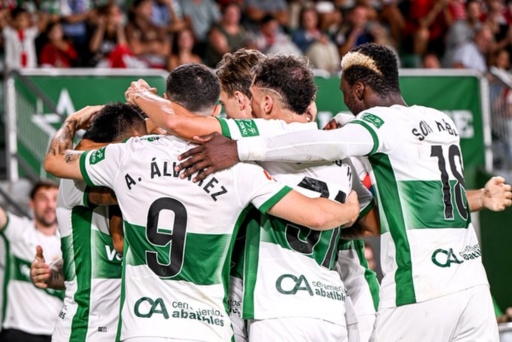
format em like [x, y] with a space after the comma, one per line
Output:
[158, 238]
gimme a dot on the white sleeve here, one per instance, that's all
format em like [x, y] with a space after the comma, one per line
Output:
[352, 140]
[254, 185]
[15, 227]
[74, 193]
[101, 167]
[364, 195]
[242, 128]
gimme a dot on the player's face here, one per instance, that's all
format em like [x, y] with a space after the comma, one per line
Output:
[233, 108]
[44, 205]
[349, 97]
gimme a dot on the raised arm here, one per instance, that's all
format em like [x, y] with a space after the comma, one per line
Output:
[316, 213]
[495, 196]
[169, 116]
[57, 162]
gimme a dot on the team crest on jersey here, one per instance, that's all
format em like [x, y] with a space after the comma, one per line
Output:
[97, 156]
[373, 119]
[247, 128]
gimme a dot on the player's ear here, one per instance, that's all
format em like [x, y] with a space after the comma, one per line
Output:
[31, 204]
[216, 110]
[240, 100]
[359, 90]
[165, 96]
[268, 104]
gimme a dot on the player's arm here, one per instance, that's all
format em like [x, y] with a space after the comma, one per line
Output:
[169, 116]
[495, 196]
[3, 219]
[116, 228]
[101, 195]
[57, 162]
[218, 153]
[316, 213]
[47, 276]
[366, 226]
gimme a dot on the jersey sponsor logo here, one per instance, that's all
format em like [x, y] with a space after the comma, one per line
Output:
[373, 119]
[146, 307]
[247, 128]
[97, 156]
[63, 312]
[445, 258]
[102, 329]
[289, 284]
[111, 253]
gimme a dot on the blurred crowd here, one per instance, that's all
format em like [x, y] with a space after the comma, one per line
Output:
[166, 33]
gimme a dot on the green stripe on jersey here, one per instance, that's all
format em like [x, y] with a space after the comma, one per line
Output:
[203, 256]
[126, 248]
[7, 273]
[369, 275]
[372, 132]
[252, 247]
[424, 207]
[68, 256]
[83, 168]
[224, 128]
[274, 199]
[81, 218]
[391, 207]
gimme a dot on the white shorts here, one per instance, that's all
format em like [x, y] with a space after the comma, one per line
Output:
[295, 329]
[464, 316]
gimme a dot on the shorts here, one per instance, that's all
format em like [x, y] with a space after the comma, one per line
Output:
[295, 329]
[464, 316]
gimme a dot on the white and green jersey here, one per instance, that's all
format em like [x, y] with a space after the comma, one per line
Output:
[25, 307]
[3, 255]
[92, 268]
[428, 246]
[303, 283]
[179, 235]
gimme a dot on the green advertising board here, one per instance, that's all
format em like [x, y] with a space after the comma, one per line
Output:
[458, 96]
[34, 121]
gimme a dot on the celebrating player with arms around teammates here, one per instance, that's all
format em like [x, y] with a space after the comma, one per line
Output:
[432, 258]
[179, 234]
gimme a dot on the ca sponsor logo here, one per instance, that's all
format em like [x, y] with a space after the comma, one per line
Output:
[445, 258]
[146, 307]
[289, 284]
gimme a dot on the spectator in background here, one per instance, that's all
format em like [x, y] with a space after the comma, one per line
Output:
[501, 60]
[316, 45]
[226, 36]
[31, 312]
[167, 14]
[19, 38]
[270, 39]
[430, 61]
[472, 54]
[355, 31]
[496, 20]
[201, 15]
[182, 50]
[426, 24]
[256, 10]
[148, 42]
[462, 31]
[57, 52]
[75, 14]
[108, 44]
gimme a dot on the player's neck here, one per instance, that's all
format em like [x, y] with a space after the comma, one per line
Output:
[86, 144]
[46, 230]
[395, 99]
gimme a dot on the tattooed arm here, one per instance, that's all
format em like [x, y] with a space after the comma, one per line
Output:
[102, 195]
[57, 162]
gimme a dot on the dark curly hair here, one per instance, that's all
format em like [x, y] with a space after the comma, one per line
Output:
[235, 71]
[290, 76]
[115, 122]
[385, 83]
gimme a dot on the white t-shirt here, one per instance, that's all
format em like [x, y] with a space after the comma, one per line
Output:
[92, 268]
[428, 245]
[179, 235]
[16, 44]
[26, 307]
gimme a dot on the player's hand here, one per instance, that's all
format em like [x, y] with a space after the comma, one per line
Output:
[497, 195]
[39, 270]
[215, 154]
[352, 204]
[83, 117]
[331, 125]
[138, 89]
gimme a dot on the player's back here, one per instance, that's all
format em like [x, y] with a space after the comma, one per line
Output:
[92, 268]
[178, 236]
[429, 247]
